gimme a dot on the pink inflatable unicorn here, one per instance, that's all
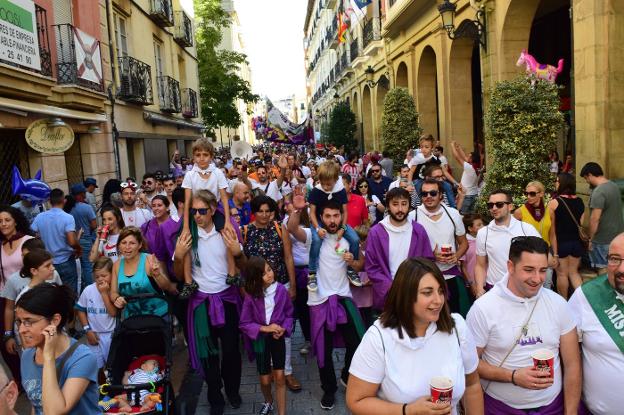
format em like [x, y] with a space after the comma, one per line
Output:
[541, 71]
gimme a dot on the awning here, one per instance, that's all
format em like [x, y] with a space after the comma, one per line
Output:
[14, 105]
[161, 119]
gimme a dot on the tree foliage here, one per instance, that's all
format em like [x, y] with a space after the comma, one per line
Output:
[522, 123]
[220, 86]
[399, 124]
[341, 127]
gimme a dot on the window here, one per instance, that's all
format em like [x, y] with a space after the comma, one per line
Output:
[158, 58]
[121, 35]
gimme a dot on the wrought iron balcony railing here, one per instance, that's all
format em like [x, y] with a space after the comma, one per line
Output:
[371, 32]
[161, 11]
[354, 50]
[79, 60]
[344, 61]
[183, 33]
[136, 81]
[169, 94]
[189, 103]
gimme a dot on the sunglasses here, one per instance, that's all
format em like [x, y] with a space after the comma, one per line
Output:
[432, 193]
[129, 183]
[532, 194]
[499, 205]
[147, 182]
[376, 171]
[201, 211]
[362, 186]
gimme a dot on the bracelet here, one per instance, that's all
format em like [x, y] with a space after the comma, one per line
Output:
[8, 333]
[86, 327]
[404, 407]
[513, 372]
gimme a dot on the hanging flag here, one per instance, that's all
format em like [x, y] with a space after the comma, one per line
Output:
[343, 25]
[362, 3]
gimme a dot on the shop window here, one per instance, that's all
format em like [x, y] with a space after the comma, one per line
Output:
[13, 151]
[73, 163]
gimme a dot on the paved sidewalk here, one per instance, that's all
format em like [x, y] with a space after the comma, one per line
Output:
[307, 401]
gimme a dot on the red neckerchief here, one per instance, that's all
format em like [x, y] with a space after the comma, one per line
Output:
[15, 237]
[537, 212]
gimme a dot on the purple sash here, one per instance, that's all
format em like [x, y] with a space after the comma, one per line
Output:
[326, 315]
[496, 407]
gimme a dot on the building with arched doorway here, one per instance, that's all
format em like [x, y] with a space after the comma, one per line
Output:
[451, 79]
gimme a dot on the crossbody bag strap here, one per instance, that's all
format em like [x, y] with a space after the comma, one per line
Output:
[569, 211]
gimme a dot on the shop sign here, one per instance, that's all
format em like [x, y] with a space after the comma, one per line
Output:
[48, 139]
[18, 33]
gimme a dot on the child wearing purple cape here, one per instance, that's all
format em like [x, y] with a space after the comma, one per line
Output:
[267, 318]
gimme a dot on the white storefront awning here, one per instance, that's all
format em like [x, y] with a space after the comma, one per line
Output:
[17, 106]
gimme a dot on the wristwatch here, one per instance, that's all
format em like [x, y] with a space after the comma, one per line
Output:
[7, 335]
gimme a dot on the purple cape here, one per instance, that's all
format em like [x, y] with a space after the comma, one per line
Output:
[377, 263]
[161, 240]
[326, 315]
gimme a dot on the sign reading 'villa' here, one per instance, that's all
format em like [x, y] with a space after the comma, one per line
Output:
[48, 139]
[18, 33]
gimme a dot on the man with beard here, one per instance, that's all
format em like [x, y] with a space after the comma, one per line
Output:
[598, 308]
[132, 215]
[149, 190]
[390, 242]
[264, 186]
[378, 185]
[447, 237]
[331, 307]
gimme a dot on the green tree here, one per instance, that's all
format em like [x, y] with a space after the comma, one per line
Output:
[220, 86]
[342, 127]
[399, 124]
[522, 123]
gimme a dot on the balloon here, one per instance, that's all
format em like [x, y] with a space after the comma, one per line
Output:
[548, 73]
[34, 190]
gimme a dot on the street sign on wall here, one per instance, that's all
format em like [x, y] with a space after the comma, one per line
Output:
[45, 138]
[18, 33]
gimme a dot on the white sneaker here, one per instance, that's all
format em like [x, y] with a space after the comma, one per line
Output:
[305, 349]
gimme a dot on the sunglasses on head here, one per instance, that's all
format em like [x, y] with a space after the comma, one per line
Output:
[498, 205]
[201, 211]
[129, 183]
[432, 193]
[532, 194]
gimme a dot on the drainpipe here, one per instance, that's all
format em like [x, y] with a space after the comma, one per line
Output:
[112, 88]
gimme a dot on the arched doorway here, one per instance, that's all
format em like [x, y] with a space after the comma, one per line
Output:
[465, 94]
[427, 92]
[355, 107]
[401, 75]
[367, 119]
[383, 84]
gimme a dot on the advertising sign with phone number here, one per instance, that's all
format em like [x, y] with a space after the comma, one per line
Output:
[18, 33]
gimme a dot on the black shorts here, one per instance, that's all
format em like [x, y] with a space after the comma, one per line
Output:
[571, 248]
[269, 350]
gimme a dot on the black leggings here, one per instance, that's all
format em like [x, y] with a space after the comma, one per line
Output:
[274, 351]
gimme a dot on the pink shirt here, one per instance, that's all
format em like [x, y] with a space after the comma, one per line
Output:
[470, 258]
[13, 263]
[362, 296]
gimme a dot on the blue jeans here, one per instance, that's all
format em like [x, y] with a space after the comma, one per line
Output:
[598, 255]
[469, 204]
[315, 247]
[86, 242]
[69, 273]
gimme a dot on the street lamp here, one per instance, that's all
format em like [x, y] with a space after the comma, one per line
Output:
[370, 75]
[470, 29]
[336, 96]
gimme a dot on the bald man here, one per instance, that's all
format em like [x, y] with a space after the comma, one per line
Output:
[598, 307]
[8, 392]
[241, 194]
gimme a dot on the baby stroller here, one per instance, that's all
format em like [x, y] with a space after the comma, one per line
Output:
[134, 340]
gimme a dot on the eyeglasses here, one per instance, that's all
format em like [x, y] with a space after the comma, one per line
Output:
[532, 194]
[499, 205]
[27, 323]
[614, 260]
[201, 211]
[432, 193]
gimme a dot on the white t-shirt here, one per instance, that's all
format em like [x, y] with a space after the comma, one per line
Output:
[214, 182]
[212, 253]
[332, 272]
[173, 213]
[603, 362]
[494, 241]
[400, 239]
[372, 209]
[91, 302]
[287, 188]
[442, 231]
[404, 367]
[270, 189]
[136, 217]
[300, 250]
[443, 160]
[269, 301]
[110, 247]
[495, 321]
[470, 180]
[306, 171]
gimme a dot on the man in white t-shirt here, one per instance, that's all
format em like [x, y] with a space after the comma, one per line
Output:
[447, 237]
[269, 188]
[132, 215]
[331, 307]
[469, 179]
[598, 308]
[513, 321]
[494, 239]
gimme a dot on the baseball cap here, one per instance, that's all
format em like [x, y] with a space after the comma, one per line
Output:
[90, 181]
[77, 188]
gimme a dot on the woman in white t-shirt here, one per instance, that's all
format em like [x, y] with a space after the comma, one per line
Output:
[111, 217]
[415, 339]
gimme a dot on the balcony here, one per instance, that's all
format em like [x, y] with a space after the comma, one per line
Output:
[371, 34]
[354, 50]
[169, 94]
[344, 61]
[161, 11]
[189, 103]
[183, 33]
[79, 60]
[332, 34]
[136, 81]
